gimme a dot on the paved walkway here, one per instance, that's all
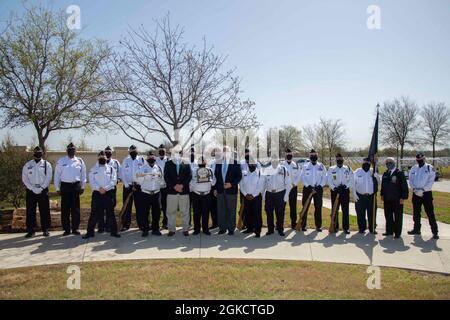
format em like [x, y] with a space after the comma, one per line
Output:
[420, 253]
[442, 186]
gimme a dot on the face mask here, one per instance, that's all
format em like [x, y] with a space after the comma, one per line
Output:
[226, 155]
[202, 165]
[133, 154]
[108, 154]
[289, 157]
[37, 155]
[252, 168]
[218, 155]
[71, 152]
[340, 162]
[420, 162]
[366, 166]
[162, 153]
[151, 161]
[247, 158]
[390, 165]
[275, 163]
[192, 157]
[177, 156]
[313, 158]
[102, 161]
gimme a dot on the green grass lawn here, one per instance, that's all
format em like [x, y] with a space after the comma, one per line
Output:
[220, 279]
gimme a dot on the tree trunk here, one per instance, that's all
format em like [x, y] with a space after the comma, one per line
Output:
[401, 155]
[434, 150]
[41, 140]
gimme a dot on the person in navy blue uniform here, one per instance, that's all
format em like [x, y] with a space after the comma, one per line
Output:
[394, 191]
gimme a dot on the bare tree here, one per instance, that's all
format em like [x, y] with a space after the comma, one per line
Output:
[160, 86]
[48, 77]
[399, 120]
[437, 124]
[327, 137]
[290, 137]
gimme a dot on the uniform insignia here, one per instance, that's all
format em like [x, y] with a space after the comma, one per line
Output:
[394, 179]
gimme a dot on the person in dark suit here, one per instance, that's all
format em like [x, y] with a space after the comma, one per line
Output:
[177, 175]
[394, 191]
[228, 175]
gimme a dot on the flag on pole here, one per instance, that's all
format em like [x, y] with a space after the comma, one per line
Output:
[373, 149]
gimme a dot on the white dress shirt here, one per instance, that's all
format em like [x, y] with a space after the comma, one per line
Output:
[422, 178]
[129, 169]
[102, 176]
[252, 182]
[37, 176]
[116, 165]
[151, 181]
[162, 164]
[70, 170]
[277, 179]
[314, 175]
[340, 176]
[294, 171]
[363, 181]
[199, 186]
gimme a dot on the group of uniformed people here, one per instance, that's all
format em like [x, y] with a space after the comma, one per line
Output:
[212, 188]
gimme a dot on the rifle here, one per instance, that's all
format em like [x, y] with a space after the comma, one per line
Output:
[125, 204]
[304, 210]
[240, 223]
[332, 228]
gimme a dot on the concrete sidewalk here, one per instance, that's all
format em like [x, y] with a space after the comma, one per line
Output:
[409, 252]
[408, 223]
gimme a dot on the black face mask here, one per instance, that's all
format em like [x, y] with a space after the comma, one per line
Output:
[133, 154]
[313, 159]
[108, 154]
[37, 156]
[340, 162]
[289, 157]
[420, 162]
[366, 166]
[252, 168]
[102, 161]
[162, 153]
[202, 165]
[71, 152]
[151, 161]
[247, 158]
[192, 157]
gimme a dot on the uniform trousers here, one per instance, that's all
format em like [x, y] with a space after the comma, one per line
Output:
[41, 200]
[393, 212]
[275, 202]
[102, 203]
[149, 202]
[70, 206]
[364, 208]
[226, 211]
[253, 213]
[318, 200]
[344, 204]
[201, 203]
[427, 201]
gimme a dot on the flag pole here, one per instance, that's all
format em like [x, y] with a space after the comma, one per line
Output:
[374, 151]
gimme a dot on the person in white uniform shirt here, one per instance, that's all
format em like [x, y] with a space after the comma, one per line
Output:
[70, 181]
[313, 177]
[130, 166]
[102, 222]
[294, 173]
[421, 180]
[340, 180]
[277, 187]
[161, 162]
[103, 180]
[201, 184]
[252, 186]
[245, 167]
[36, 176]
[149, 178]
[365, 184]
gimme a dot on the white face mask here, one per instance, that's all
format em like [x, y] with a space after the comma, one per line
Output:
[177, 156]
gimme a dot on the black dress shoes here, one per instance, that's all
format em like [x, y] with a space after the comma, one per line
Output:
[29, 235]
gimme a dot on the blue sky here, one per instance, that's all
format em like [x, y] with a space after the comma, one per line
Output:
[299, 60]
